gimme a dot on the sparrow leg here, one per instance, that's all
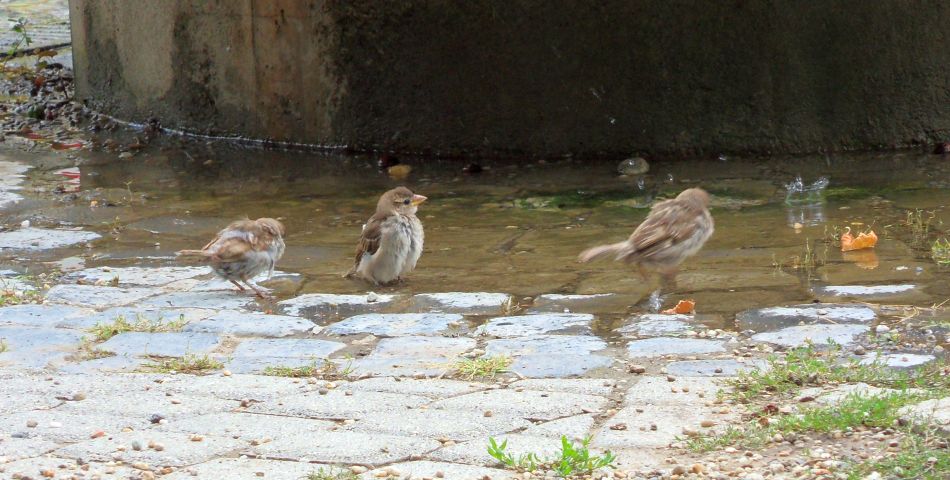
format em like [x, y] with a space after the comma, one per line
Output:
[260, 293]
[668, 279]
[236, 284]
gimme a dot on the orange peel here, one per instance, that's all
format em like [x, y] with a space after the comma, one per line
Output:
[862, 241]
[683, 307]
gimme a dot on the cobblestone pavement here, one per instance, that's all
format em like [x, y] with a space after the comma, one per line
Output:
[392, 406]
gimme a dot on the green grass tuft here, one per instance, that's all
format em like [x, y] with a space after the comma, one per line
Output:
[485, 367]
[105, 331]
[191, 363]
[572, 460]
[332, 473]
[328, 370]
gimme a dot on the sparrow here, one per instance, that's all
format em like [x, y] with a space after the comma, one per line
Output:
[243, 250]
[391, 241]
[673, 231]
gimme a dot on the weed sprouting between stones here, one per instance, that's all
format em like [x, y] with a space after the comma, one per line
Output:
[3, 345]
[87, 351]
[572, 460]
[331, 473]
[327, 370]
[809, 366]
[190, 363]
[918, 459]
[484, 368]
[105, 331]
[940, 252]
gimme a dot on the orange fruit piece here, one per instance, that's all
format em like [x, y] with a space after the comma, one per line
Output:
[683, 307]
[863, 240]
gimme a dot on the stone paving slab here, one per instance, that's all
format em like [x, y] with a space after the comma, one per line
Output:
[466, 303]
[96, 297]
[653, 390]
[766, 319]
[577, 426]
[713, 368]
[397, 324]
[37, 347]
[317, 305]
[659, 325]
[475, 452]
[63, 468]
[136, 314]
[344, 448]
[531, 405]
[336, 404]
[246, 426]
[13, 448]
[936, 411]
[408, 356]
[818, 334]
[163, 344]
[246, 324]
[637, 424]
[433, 423]
[136, 276]
[116, 363]
[657, 347]
[256, 354]
[32, 238]
[179, 449]
[44, 316]
[865, 291]
[144, 404]
[246, 469]
[217, 300]
[67, 426]
[427, 469]
[537, 324]
[435, 388]
[898, 360]
[559, 366]
[234, 387]
[587, 386]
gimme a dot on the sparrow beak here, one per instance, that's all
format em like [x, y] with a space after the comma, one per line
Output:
[418, 199]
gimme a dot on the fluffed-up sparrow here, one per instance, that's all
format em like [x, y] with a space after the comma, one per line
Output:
[391, 241]
[243, 250]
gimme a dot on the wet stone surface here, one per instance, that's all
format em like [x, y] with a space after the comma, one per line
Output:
[657, 325]
[136, 276]
[537, 324]
[36, 347]
[316, 305]
[656, 347]
[595, 303]
[477, 303]
[43, 239]
[397, 324]
[246, 324]
[415, 355]
[772, 318]
[40, 315]
[257, 354]
[898, 360]
[555, 356]
[96, 297]
[712, 368]
[819, 334]
[165, 344]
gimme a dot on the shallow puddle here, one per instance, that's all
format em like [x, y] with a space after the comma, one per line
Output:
[514, 228]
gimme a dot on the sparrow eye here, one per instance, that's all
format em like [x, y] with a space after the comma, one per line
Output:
[406, 202]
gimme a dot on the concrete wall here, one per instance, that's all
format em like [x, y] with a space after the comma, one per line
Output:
[526, 76]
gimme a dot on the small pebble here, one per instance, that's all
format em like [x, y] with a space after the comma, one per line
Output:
[31, 423]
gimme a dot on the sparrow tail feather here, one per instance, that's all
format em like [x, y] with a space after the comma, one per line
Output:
[615, 249]
[194, 254]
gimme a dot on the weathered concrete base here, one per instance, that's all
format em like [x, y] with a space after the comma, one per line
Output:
[522, 76]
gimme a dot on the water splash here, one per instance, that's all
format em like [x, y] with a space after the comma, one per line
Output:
[797, 193]
[656, 301]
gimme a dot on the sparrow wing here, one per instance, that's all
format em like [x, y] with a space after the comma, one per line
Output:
[370, 238]
[668, 224]
[232, 249]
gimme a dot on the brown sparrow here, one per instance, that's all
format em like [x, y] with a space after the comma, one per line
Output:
[673, 231]
[243, 250]
[391, 242]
